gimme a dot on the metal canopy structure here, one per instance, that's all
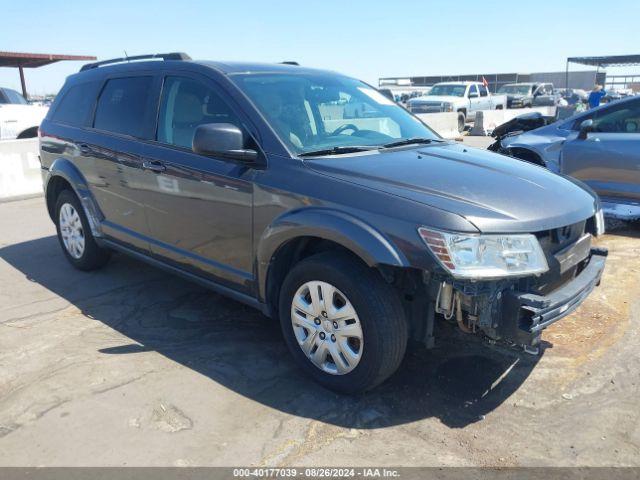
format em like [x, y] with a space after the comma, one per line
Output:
[34, 60]
[607, 61]
[603, 62]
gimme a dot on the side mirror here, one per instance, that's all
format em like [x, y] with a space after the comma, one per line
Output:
[585, 127]
[222, 140]
[473, 95]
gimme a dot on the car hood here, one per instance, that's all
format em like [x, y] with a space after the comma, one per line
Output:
[435, 98]
[493, 192]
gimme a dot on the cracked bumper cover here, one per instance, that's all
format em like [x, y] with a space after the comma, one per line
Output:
[525, 315]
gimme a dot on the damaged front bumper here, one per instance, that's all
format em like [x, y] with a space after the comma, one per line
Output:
[525, 315]
[515, 312]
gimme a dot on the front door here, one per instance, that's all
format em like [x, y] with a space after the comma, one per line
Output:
[199, 208]
[608, 159]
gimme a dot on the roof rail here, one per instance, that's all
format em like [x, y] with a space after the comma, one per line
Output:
[163, 56]
[290, 62]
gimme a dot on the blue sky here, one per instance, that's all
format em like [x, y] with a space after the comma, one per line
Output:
[365, 39]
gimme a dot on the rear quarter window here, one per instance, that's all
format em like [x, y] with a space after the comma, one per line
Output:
[123, 106]
[76, 105]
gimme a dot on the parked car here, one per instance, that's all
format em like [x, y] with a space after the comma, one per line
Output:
[519, 95]
[600, 147]
[546, 96]
[18, 119]
[466, 98]
[574, 95]
[353, 232]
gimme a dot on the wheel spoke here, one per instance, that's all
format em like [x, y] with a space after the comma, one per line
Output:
[346, 312]
[352, 330]
[319, 356]
[341, 365]
[316, 301]
[327, 296]
[299, 303]
[309, 342]
[347, 351]
[303, 322]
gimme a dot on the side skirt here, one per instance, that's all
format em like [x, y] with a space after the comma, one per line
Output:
[211, 285]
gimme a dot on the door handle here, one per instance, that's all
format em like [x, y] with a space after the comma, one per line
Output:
[154, 166]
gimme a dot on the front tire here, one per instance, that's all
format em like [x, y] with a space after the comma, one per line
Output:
[462, 121]
[74, 234]
[344, 325]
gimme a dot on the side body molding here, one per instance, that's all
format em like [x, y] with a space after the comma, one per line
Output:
[65, 169]
[328, 224]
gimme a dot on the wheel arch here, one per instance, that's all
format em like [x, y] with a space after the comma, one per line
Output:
[63, 174]
[527, 154]
[299, 234]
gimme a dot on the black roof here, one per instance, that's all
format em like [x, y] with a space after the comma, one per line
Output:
[229, 68]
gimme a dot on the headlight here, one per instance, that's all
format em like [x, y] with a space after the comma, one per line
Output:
[486, 256]
[447, 107]
[599, 223]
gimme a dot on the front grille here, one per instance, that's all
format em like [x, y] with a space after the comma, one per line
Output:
[552, 241]
[426, 107]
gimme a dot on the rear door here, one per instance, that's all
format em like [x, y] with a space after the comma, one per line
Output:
[608, 160]
[199, 208]
[124, 116]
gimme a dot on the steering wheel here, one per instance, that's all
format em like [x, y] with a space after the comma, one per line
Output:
[347, 126]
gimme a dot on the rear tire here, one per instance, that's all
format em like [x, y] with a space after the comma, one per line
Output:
[362, 304]
[74, 234]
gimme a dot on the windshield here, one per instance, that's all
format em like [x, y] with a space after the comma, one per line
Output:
[311, 112]
[515, 89]
[14, 97]
[448, 90]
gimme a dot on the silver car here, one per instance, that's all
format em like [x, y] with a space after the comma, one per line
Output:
[600, 147]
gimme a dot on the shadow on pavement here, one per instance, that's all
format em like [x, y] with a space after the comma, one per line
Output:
[458, 382]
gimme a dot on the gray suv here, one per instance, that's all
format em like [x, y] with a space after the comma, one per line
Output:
[357, 233]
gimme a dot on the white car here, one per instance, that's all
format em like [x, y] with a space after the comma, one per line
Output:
[466, 98]
[18, 119]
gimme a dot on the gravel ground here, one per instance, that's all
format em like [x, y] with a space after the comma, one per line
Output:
[132, 366]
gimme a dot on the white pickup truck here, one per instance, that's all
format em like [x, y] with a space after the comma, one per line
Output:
[18, 119]
[466, 98]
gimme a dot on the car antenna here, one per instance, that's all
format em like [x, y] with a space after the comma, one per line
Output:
[125, 55]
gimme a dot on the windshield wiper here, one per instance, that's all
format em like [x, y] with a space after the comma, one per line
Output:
[337, 150]
[411, 141]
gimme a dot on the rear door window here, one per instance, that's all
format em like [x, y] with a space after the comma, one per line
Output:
[124, 106]
[76, 105]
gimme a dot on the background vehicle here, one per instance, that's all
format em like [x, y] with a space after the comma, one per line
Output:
[466, 98]
[18, 119]
[546, 96]
[254, 181]
[574, 95]
[601, 147]
[519, 95]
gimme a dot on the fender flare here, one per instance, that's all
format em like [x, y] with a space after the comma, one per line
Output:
[328, 224]
[64, 168]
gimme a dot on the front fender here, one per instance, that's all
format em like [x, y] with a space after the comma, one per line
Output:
[64, 168]
[352, 233]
